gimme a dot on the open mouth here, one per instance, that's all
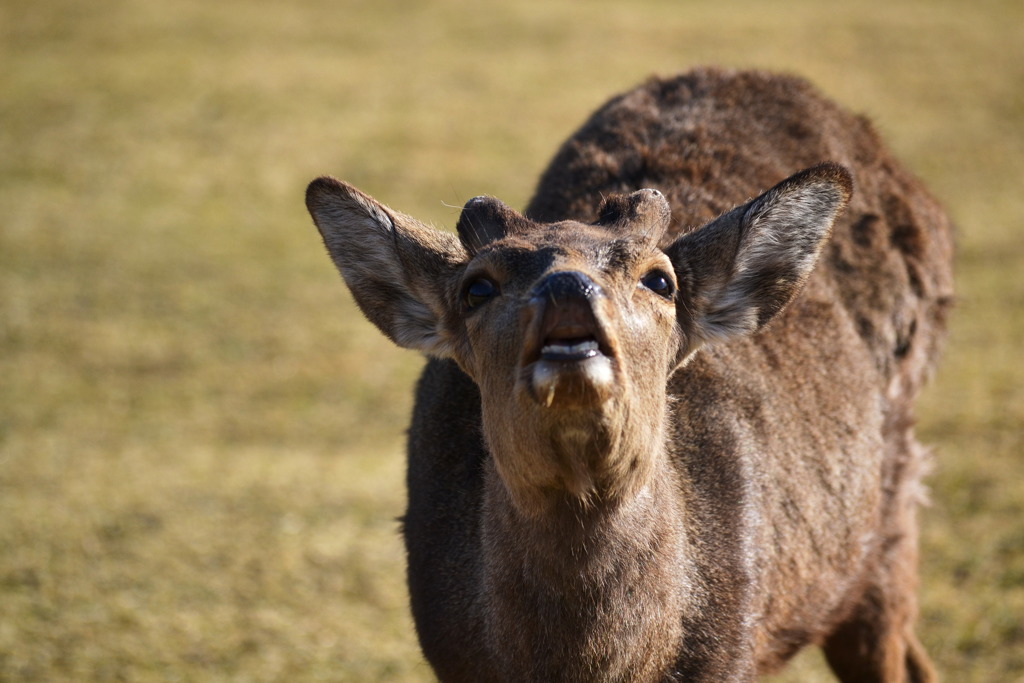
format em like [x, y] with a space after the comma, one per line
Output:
[571, 367]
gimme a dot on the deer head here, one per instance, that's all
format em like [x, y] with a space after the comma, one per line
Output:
[571, 330]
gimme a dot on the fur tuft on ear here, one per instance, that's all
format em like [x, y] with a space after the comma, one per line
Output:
[396, 267]
[742, 269]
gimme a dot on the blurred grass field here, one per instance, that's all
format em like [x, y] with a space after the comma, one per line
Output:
[201, 439]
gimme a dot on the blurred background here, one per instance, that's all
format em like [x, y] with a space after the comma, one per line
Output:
[201, 438]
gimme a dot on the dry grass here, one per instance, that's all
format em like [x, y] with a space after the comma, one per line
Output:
[200, 439]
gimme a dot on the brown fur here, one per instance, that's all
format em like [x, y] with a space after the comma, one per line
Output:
[734, 474]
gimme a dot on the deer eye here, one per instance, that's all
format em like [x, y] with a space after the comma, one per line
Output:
[660, 283]
[479, 291]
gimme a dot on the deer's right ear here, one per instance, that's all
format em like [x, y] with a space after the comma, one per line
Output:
[398, 269]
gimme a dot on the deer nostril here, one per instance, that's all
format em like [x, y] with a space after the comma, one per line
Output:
[565, 285]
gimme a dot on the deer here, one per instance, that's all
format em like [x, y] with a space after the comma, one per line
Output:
[665, 430]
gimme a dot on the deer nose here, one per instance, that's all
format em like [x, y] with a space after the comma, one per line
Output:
[566, 285]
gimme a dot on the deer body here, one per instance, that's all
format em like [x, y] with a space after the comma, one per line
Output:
[618, 469]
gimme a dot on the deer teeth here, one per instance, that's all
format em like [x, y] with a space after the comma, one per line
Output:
[584, 348]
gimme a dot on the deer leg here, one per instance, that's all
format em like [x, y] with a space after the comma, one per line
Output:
[876, 643]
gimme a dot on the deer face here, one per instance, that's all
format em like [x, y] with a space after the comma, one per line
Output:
[571, 330]
[570, 333]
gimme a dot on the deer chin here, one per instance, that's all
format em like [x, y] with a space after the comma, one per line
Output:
[583, 383]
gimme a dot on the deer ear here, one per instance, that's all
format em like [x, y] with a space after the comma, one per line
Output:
[397, 268]
[739, 271]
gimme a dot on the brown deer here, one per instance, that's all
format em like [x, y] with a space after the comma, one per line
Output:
[644, 450]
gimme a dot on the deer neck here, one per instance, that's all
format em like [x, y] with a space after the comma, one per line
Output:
[597, 582]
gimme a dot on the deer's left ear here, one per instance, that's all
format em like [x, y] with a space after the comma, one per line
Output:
[739, 271]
